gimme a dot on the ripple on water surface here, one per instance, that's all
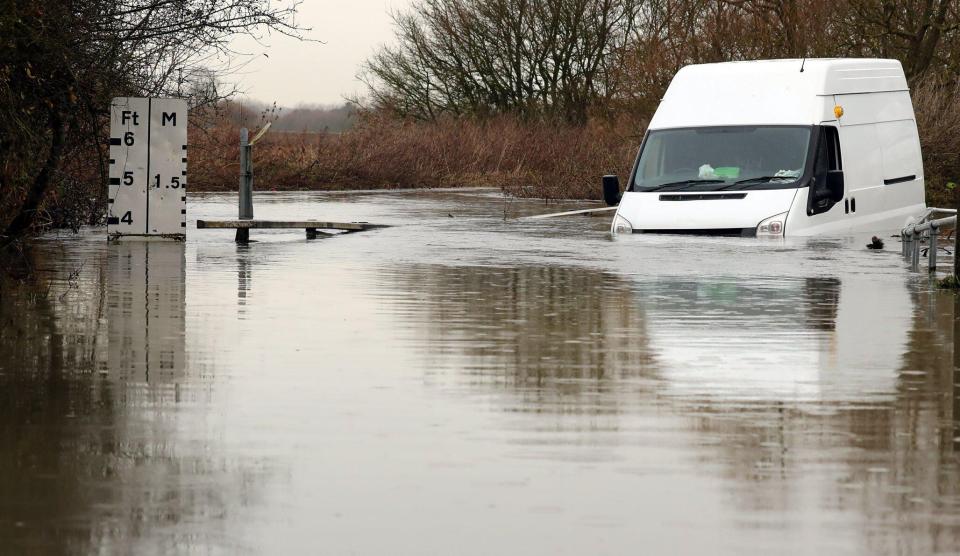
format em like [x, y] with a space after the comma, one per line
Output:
[466, 382]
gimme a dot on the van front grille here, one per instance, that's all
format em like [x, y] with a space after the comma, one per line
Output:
[729, 232]
[703, 197]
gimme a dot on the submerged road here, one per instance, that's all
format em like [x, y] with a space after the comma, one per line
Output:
[466, 382]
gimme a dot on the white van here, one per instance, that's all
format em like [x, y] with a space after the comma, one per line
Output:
[777, 148]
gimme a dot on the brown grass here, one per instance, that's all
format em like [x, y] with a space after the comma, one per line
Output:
[550, 161]
[527, 159]
[937, 106]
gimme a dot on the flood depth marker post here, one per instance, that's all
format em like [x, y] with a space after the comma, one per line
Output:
[246, 185]
[148, 169]
[246, 179]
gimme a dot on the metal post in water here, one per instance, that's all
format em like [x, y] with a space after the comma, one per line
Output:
[246, 184]
[932, 249]
[915, 255]
[903, 244]
[908, 250]
[955, 432]
[956, 237]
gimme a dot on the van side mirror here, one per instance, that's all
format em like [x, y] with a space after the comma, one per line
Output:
[835, 185]
[611, 190]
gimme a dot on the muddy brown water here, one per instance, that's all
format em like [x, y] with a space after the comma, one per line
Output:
[463, 383]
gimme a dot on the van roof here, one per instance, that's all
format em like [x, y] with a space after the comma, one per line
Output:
[769, 91]
[828, 76]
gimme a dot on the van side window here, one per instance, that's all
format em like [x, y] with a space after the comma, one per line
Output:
[822, 162]
[834, 160]
[827, 158]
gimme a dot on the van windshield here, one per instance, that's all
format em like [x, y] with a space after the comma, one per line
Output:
[734, 157]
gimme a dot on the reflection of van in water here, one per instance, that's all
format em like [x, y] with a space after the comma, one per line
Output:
[774, 148]
[778, 340]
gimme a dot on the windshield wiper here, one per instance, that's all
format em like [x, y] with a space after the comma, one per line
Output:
[760, 179]
[682, 182]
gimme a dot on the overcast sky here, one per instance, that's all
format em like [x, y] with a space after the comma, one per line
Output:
[295, 72]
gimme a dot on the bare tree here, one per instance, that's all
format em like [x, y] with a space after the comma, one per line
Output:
[61, 62]
[923, 34]
[538, 58]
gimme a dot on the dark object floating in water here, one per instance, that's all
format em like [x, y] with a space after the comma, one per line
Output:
[949, 283]
[875, 243]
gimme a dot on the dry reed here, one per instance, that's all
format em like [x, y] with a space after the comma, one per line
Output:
[528, 159]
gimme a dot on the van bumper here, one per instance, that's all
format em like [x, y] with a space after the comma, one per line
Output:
[733, 213]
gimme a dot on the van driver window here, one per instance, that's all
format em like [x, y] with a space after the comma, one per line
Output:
[828, 158]
[822, 163]
[828, 151]
[834, 160]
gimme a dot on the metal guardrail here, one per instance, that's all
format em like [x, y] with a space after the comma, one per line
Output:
[911, 238]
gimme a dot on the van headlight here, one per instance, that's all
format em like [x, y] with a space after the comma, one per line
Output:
[773, 226]
[621, 225]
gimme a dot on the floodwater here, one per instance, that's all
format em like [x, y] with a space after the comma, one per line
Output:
[466, 383]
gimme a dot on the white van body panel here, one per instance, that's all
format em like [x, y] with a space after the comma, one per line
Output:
[879, 144]
[830, 224]
[871, 108]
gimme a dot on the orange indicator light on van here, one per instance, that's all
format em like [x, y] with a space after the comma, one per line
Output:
[838, 110]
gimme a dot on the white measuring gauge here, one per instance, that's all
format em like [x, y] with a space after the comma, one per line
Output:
[147, 195]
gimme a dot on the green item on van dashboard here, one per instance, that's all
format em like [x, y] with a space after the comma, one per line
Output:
[727, 172]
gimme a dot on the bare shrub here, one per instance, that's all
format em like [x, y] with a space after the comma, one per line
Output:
[547, 160]
[524, 158]
[936, 104]
[61, 63]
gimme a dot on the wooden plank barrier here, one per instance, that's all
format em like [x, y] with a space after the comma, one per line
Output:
[311, 226]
